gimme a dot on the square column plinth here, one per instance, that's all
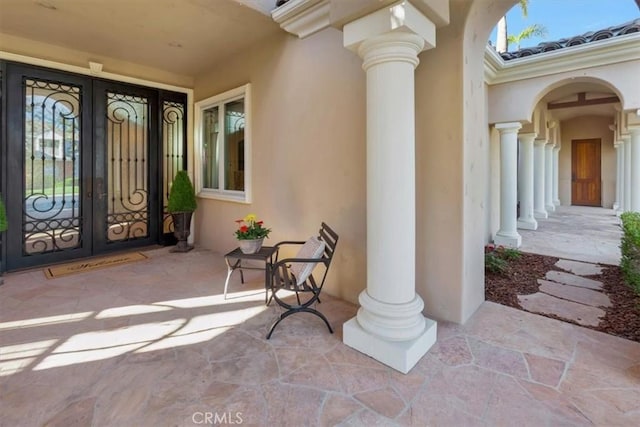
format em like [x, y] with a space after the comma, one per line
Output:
[401, 356]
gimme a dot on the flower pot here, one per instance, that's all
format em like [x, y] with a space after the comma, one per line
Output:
[250, 246]
[182, 229]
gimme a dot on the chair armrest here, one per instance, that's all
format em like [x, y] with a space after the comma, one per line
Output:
[285, 261]
[290, 242]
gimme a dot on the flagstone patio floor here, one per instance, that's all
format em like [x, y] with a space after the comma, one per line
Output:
[153, 343]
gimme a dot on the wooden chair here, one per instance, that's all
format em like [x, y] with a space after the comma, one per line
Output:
[305, 286]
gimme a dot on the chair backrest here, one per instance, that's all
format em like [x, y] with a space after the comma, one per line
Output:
[330, 239]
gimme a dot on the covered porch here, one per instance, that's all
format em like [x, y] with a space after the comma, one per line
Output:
[155, 343]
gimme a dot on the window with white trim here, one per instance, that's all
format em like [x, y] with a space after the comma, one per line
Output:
[224, 146]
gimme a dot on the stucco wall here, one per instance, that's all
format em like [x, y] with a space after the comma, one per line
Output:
[439, 204]
[308, 142]
[620, 77]
[588, 127]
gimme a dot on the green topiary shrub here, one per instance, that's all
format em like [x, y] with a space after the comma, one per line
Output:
[182, 197]
[630, 249]
[3, 217]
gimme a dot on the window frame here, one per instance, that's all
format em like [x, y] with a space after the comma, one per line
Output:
[242, 92]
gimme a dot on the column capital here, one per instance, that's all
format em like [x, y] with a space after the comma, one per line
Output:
[539, 142]
[510, 127]
[391, 47]
[625, 138]
[401, 18]
[633, 130]
[527, 137]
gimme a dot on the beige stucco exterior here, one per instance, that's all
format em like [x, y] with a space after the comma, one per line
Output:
[618, 77]
[308, 144]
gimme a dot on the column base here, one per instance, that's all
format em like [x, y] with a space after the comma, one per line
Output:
[540, 214]
[400, 355]
[528, 224]
[550, 207]
[557, 202]
[508, 240]
[615, 206]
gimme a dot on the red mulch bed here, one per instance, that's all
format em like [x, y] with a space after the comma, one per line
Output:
[520, 278]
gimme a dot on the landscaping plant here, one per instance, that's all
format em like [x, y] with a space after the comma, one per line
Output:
[3, 217]
[496, 258]
[630, 249]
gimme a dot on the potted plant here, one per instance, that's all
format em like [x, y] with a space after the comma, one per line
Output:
[182, 203]
[251, 234]
[3, 228]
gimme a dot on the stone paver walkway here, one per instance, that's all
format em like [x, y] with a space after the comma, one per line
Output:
[578, 233]
[569, 295]
[154, 343]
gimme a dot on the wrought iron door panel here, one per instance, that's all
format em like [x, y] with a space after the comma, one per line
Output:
[173, 148]
[52, 218]
[126, 138]
[128, 182]
[47, 143]
[85, 164]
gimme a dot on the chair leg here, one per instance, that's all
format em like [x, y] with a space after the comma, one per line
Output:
[320, 315]
[299, 310]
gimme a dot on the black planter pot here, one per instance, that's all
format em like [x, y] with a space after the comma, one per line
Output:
[182, 229]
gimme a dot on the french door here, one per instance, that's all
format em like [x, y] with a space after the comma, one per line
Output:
[87, 164]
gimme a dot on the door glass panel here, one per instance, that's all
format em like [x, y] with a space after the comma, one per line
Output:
[173, 149]
[52, 209]
[234, 145]
[127, 186]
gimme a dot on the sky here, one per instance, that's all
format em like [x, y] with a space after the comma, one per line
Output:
[566, 18]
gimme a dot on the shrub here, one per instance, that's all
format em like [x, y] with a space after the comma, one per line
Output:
[3, 217]
[630, 249]
[496, 259]
[182, 197]
[494, 264]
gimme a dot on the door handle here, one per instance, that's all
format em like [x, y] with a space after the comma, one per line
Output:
[100, 188]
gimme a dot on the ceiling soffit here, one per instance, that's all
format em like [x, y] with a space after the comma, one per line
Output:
[187, 37]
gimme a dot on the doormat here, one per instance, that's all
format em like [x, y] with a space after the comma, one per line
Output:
[61, 270]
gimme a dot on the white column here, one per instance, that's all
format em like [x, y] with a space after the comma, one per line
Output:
[548, 178]
[626, 139]
[618, 148]
[556, 170]
[635, 167]
[539, 210]
[508, 233]
[623, 168]
[389, 325]
[526, 220]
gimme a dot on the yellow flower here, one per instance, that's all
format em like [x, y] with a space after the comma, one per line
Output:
[250, 218]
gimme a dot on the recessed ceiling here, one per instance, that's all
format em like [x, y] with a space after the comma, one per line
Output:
[186, 37]
[569, 92]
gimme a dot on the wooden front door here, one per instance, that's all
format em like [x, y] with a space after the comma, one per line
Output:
[586, 189]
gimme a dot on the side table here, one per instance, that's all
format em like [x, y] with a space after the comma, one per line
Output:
[265, 254]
